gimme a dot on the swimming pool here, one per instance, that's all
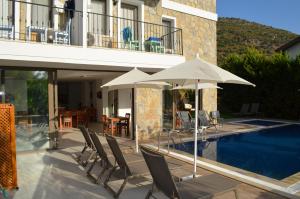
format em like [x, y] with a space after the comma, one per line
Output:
[273, 152]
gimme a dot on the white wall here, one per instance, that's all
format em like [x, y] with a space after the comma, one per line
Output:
[294, 51]
[124, 101]
[71, 57]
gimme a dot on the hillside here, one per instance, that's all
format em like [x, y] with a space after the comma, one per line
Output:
[235, 35]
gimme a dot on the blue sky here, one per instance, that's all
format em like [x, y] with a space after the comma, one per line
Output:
[284, 14]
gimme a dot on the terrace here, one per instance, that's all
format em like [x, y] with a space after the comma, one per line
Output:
[56, 174]
[38, 23]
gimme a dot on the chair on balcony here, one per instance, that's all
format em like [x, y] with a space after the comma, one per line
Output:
[63, 37]
[41, 32]
[6, 31]
[154, 44]
[128, 41]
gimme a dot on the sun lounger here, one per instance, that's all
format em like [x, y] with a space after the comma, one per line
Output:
[122, 169]
[253, 109]
[87, 145]
[201, 187]
[101, 158]
[216, 117]
[186, 121]
[132, 165]
[205, 121]
[244, 110]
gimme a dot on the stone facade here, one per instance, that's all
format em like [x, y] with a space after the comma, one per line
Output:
[149, 112]
[199, 36]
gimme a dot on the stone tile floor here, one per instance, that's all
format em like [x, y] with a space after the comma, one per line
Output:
[56, 175]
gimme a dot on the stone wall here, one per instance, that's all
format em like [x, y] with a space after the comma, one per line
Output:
[149, 112]
[199, 36]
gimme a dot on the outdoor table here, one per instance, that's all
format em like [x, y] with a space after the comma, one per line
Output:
[114, 120]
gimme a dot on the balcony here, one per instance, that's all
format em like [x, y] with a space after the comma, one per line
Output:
[37, 23]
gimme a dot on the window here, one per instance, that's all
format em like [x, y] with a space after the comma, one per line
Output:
[98, 18]
[167, 34]
[5, 13]
[40, 13]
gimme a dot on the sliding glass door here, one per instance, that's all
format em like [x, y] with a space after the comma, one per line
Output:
[28, 92]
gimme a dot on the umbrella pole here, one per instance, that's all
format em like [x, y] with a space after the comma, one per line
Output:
[196, 127]
[135, 120]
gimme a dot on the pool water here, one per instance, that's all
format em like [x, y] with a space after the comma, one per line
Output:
[273, 152]
[260, 122]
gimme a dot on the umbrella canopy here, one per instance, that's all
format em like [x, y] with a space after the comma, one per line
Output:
[133, 79]
[194, 72]
[200, 86]
[197, 69]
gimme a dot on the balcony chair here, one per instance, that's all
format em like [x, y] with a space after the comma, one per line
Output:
[207, 186]
[41, 31]
[6, 31]
[128, 41]
[63, 37]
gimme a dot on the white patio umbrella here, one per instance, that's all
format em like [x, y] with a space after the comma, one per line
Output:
[194, 72]
[133, 79]
[200, 86]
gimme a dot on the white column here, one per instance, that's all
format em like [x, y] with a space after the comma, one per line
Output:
[84, 22]
[17, 20]
[55, 15]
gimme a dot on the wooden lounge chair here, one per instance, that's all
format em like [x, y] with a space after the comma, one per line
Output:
[253, 109]
[244, 110]
[101, 158]
[87, 145]
[201, 187]
[130, 166]
[121, 169]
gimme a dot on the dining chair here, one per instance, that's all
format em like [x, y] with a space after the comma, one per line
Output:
[82, 118]
[124, 125]
[67, 119]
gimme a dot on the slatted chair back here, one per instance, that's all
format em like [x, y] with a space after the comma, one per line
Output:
[160, 173]
[99, 147]
[115, 148]
[86, 136]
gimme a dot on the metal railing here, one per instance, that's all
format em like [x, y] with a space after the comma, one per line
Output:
[32, 22]
[117, 32]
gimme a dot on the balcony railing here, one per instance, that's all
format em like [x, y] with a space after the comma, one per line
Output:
[33, 22]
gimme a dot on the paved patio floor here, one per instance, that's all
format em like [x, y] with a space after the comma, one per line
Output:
[56, 174]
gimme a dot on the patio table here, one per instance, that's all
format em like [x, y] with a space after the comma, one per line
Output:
[114, 120]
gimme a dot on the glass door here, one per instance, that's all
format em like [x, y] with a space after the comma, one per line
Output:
[28, 92]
